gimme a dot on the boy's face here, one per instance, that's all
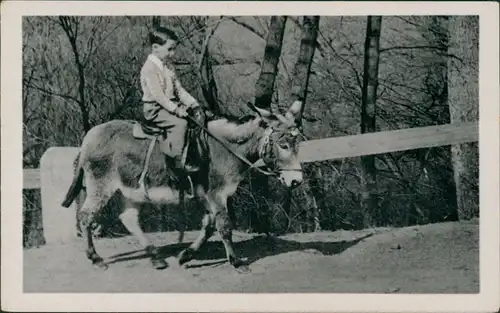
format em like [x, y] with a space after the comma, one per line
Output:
[165, 52]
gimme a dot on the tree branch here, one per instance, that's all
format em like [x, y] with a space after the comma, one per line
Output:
[181, 25]
[189, 34]
[355, 71]
[72, 37]
[50, 92]
[413, 48]
[92, 51]
[318, 45]
[250, 28]
[204, 48]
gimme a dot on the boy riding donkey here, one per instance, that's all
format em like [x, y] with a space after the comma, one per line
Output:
[166, 103]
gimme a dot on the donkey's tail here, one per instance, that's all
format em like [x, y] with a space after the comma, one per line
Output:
[76, 185]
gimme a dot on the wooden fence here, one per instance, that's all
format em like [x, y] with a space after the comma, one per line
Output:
[358, 145]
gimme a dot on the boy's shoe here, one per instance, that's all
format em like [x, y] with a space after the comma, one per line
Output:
[191, 168]
[185, 167]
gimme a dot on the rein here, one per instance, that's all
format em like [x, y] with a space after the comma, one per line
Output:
[242, 158]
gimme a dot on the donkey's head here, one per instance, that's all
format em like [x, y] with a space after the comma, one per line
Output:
[279, 144]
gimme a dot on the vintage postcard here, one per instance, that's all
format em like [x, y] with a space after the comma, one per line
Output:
[250, 156]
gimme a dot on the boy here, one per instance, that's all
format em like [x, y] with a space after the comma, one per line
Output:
[163, 94]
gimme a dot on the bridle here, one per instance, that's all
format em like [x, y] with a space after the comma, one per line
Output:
[265, 146]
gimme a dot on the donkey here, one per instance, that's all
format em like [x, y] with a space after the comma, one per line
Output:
[111, 162]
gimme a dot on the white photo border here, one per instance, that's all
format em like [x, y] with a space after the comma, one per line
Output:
[13, 298]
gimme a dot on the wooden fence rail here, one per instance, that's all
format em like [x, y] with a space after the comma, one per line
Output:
[358, 145]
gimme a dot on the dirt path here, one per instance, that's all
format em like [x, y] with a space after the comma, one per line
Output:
[433, 258]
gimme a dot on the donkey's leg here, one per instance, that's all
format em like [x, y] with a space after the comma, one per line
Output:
[181, 225]
[207, 227]
[181, 220]
[96, 199]
[130, 219]
[224, 227]
[206, 232]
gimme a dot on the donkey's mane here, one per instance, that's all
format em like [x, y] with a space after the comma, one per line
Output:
[233, 129]
[232, 119]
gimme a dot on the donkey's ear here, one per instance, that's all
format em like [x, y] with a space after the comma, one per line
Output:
[261, 112]
[295, 110]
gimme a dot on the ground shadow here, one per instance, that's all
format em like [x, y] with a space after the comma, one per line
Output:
[252, 249]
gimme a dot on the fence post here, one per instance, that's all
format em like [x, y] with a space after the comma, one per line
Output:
[56, 174]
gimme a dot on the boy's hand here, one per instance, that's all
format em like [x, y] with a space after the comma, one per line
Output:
[181, 112]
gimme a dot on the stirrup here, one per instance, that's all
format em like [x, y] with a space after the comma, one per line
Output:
[142, 185]
[193, 169]
[187, 195]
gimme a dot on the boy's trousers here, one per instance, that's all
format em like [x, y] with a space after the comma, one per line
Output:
[175, 126]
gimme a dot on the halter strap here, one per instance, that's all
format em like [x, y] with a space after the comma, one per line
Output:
[265, 142]
[242, 158]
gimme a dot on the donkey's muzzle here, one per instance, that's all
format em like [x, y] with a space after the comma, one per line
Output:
[291, 178]
[295, 183]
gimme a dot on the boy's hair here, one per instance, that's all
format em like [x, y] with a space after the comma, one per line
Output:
[160, 35]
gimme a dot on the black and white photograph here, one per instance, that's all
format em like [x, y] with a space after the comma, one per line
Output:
[195, 154]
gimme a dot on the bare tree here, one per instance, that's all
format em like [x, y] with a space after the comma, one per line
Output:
[302, 69]
[205, 66]
[264, 89]
[156, 21]
[436, 85]
[369, 196]
[300, 83]
[463, 104]
[70, 26]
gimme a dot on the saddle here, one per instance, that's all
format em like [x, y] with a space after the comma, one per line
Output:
[195, 149]
[143, 130]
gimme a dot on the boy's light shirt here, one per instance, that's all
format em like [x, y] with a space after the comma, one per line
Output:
[168, 85]
[153, 58]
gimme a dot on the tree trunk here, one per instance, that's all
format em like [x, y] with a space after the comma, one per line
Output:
[436, 81]
[32, 219]
[264, 89]
[209, 86]
[302, 70]
[300, 83]
[156, 20]
[463, 105]
[316, 193]
[436, 84]
[265, 83]
[369, 197]
[208, 82]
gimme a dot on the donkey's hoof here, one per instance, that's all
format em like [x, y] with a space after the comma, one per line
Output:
[239, 265]
[243, 269]
[185, 256]
[159, 264]
[100, 264]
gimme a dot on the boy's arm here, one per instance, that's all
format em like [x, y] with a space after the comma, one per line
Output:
[155, 90]
[184, 96]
